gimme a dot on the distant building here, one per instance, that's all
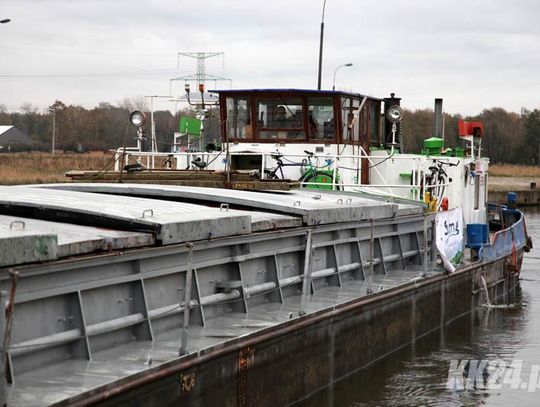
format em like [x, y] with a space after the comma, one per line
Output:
[10, 136]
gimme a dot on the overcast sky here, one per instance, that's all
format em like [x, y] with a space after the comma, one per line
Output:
[475, 54]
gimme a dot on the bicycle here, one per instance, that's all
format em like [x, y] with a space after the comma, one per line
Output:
[436, 181]
[312, 176]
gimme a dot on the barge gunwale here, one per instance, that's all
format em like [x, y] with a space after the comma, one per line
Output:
[155, 251]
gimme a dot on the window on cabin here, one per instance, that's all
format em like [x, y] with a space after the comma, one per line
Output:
[350, 119]
[321, 118]
[346, 118]
[280, 118]
[355, 123]
[370, 124]
[485, 191]
[238, 118]
[476, 191]
[374, 114]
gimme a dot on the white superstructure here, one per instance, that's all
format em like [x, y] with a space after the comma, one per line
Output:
[335, 140]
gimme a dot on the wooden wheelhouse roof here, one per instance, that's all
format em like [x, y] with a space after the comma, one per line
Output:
[309, 92]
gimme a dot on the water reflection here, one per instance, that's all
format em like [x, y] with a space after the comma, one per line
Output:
[418, 375]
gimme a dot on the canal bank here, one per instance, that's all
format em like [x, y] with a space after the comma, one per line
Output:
[527, 190]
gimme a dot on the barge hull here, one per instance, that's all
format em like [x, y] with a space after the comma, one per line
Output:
[307, 289]
[286, 363]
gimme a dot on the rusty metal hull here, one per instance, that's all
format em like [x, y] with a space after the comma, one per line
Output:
[286, 363]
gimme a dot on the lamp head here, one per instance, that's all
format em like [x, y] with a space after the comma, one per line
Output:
[394, 114]
[137, 118]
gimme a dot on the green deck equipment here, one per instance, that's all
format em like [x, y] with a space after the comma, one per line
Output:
[190, 125]
[432, 146]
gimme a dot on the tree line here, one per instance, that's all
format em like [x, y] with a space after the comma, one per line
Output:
[508, 137]
[78, 129]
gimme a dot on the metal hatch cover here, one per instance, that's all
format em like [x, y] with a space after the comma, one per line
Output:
[315, 207]
[19, 245]
[76, 239]
[172, 222]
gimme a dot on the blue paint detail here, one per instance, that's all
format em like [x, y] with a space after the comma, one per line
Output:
[507, 240]
[475, 235]
[511, 198]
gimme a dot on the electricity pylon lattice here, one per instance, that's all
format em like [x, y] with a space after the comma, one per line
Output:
[200, 77]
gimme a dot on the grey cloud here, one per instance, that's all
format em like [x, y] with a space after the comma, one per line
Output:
[475, 54]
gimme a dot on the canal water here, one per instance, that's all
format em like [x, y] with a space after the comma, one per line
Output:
[491, 358]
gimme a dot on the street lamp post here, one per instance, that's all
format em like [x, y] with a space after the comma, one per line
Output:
[341, 66]
[321, 47]
[53, 111]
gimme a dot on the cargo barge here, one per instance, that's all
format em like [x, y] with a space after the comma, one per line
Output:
[139, 294]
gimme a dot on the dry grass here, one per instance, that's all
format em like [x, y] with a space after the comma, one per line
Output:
[37, 168]
[512, 170]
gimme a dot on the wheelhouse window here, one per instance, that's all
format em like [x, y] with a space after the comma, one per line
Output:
[367, 126]
[280, 118]
[349, 119]
[239, 118]
[321, 118]
[476, 191]
[485, 191]
[374, 114]
[346, 118]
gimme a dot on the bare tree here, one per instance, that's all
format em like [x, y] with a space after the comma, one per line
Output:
[134, 103]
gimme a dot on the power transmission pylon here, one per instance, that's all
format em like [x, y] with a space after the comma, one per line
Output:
[200, 77]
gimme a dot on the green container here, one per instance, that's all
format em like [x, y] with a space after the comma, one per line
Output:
[433, 146]
[460, 152]
[190, 125]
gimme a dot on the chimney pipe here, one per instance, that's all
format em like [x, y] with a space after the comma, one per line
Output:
[438, 119]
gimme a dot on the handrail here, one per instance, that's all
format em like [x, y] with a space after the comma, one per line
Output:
[418, 180]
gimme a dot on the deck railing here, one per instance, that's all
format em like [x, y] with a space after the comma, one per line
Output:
[419, 167]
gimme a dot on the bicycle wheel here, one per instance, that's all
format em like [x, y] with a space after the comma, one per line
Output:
[437, 189]
[268, 174]
[316, 179]
[441, 187]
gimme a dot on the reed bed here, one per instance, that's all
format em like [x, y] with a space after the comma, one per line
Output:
[39, 167]
[514, 170]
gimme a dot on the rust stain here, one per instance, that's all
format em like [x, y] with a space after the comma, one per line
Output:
[187, 382]
[246, 360]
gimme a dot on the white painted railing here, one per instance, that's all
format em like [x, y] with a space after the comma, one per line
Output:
[419, 167]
